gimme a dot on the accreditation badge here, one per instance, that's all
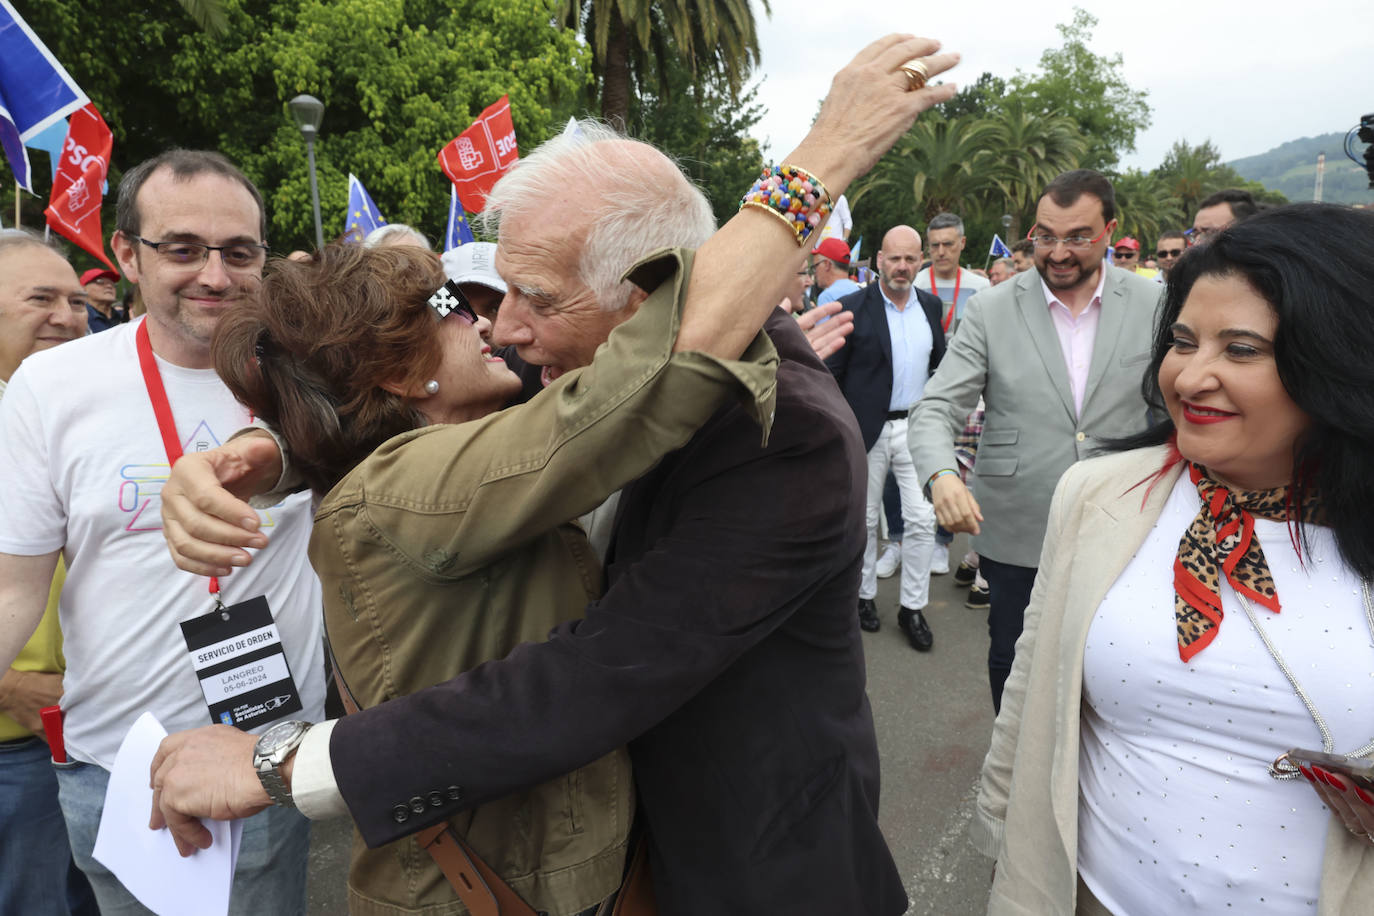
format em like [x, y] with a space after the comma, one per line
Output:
[237, 655]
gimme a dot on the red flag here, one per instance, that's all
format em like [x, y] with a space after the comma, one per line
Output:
[74, 208]
[480, 155]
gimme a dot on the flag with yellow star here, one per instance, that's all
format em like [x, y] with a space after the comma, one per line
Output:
[363, 215]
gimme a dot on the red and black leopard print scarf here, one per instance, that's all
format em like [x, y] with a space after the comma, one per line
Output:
[1222, 537]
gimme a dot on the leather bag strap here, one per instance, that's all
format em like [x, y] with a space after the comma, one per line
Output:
[477, 885]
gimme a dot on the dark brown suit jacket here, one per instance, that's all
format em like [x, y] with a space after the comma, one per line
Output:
[725, 652]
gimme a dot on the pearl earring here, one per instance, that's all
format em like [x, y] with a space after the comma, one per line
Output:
[432, 387]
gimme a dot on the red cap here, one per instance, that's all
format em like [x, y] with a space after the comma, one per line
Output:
[98, 273]
[1127, 242]
[834, 249]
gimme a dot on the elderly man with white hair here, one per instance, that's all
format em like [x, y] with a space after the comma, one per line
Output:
[724, 651]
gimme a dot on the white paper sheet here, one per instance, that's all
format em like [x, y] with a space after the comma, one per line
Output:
[146, 861]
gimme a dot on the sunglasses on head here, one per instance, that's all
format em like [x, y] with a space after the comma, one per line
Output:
[450, 300]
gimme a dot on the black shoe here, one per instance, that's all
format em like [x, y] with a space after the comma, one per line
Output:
[868, 616]
[913, 624]
[965, 574]
[978, 598]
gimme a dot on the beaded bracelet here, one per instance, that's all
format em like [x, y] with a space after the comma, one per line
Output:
[794, 196]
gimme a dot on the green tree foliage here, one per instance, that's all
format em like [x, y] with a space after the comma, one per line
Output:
[705, 126]
[980, 167]
[1145, 207]
[940, 164]
[631, 41]
[399, 80]
[208, 14]
[1190, 173]
[1091, 90]
[981, 98]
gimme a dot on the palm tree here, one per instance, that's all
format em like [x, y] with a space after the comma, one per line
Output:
[1034, 148]
[1145, 207]
[209, 15]
[954, 164]
[631, 39]
[1187, 172]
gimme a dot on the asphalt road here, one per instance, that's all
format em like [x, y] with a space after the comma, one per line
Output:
[934, 719]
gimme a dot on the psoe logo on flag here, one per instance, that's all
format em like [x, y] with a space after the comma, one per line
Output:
[76, 195]
[468, 155]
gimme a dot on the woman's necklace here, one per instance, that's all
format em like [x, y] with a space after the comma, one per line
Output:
[1281, 768]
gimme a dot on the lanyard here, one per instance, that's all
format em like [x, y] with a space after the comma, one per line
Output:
[958, 279]
[162, 409]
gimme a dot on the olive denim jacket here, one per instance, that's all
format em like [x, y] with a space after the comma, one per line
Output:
[451, 545]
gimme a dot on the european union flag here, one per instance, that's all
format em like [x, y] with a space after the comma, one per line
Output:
[35, 91]
[459, 232]
[999, 248]
[363, 215]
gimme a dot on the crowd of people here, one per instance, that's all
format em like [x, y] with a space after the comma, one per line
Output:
[527, 511]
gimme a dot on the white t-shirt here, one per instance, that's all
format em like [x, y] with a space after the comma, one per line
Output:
[83, 465]
[1177, 813]
[968, 283]
[839, 223]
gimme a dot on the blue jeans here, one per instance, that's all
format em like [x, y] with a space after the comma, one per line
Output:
[36, 870]
[272, 864]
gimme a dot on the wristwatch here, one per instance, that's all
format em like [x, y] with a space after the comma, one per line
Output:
[273, 747]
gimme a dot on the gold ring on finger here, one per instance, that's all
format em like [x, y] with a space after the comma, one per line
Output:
[917, 74]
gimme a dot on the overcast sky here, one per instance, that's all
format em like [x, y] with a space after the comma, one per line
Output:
[1248, 75]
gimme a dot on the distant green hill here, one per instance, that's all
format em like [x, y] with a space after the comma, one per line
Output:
[1292, 169]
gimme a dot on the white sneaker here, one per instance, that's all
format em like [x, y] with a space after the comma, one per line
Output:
[890, 560]
[939, 560]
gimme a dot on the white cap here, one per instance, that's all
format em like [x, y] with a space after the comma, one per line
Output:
[474, 262]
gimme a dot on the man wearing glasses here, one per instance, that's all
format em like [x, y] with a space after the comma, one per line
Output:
[84, 464]
[1220, 210]
[1057, 355]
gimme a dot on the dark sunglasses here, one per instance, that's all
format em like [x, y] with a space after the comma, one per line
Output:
[1170, 253]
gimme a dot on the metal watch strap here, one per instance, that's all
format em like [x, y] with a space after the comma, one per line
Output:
[268, 766]
[276, 787]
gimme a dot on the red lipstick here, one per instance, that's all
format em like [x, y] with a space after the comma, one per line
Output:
[1195, 413]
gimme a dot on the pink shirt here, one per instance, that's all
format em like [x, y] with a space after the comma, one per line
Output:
[1076, 335]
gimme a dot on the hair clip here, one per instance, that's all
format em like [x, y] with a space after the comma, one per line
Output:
[448, 299]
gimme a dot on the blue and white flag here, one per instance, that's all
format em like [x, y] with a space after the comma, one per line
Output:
[35, 91]
[854, 252]
[52, 141]
[363, 215]
[999, 248]
[459, 232]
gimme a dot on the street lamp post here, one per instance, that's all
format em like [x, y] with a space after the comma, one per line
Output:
[308, 111]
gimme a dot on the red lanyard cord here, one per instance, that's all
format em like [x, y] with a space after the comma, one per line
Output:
[958, 279]
[162, 408]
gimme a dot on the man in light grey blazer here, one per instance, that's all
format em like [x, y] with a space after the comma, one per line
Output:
[1057, 355]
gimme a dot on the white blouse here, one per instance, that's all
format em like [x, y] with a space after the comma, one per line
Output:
[1177, 812]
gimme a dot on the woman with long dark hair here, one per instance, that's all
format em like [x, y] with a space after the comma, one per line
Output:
[1203, 605]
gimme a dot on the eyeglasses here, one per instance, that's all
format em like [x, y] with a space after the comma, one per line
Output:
[1074, 241]
[1169, 252]
[243, 256]
[1125, 254]
[1196, 235]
